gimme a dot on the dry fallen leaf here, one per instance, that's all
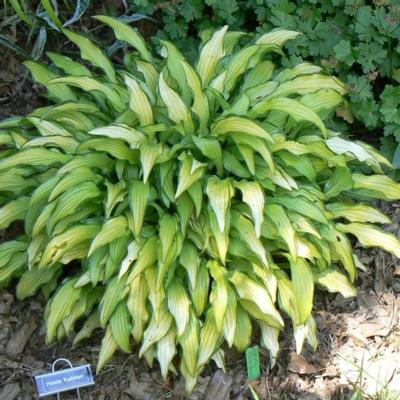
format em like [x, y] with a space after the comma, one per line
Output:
[6, 301]
[330, 371]
[299, 365]
[367, 300]
[370, 329]
[10, 391]
[18, 341]
[219, 386]
[324, 388]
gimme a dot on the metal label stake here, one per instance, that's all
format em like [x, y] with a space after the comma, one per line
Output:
[64, 380]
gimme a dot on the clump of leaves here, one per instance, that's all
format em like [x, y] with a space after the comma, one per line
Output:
[197, 203]
[357, 39]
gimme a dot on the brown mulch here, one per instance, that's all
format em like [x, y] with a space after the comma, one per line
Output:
[18, 95]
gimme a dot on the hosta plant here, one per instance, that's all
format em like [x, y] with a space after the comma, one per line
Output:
[181, 208]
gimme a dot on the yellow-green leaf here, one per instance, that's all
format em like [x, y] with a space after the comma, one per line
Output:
[240, 125]
[303, 288]
[277, 36]
[381, 186]
[148, 157]
[138, 101]
[138, 198]
[107, 349]
[340, 181]
[210, 55]
[119, 131]
[219, 193]
[112, 229]
[13, 211]
[166, 348]
[208, 340]
[219, 294]
[280, 219]
[336, 282]
[120, 326]
[243, 330]
[249, 289]
[372, 236]
[357, 213]
[177, 110]
[127, 34]
[292, 107]
[253, 196]
[190, 171]
[178, 304]
[147, 257]
[247, 233]
[92, 53]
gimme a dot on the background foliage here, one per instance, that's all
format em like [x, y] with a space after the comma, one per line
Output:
[357, 40]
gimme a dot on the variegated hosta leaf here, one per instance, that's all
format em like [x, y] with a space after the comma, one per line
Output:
[211, 53]
[253, 196]
[270, 340]
[92, 53]
[139, 101]
[195, 201]
[219, 295]
[279, 218]
[209, 337]
[250, 290]
[303, 288]
[178, 304]
[358, 213]
[336, 282]
[277, 36]
[177, 110]
[295, 109]
[127, 34]
[232, 125]
[108, 347]
[121, 327]
[190, 171]
[372, 236]
[60, 307]
[340, 181]
[219, 194]
[112, 229]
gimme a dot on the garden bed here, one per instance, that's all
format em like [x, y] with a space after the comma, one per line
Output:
[359, 338]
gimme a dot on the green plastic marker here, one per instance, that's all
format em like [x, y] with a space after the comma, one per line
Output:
[253, 363]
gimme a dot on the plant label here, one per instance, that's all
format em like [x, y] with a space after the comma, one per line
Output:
[64, 380]
[253, 363]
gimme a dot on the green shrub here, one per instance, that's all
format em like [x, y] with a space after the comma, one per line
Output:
[356, 39]
[185, 206]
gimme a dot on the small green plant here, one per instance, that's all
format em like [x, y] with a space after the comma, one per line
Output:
[186, 206]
